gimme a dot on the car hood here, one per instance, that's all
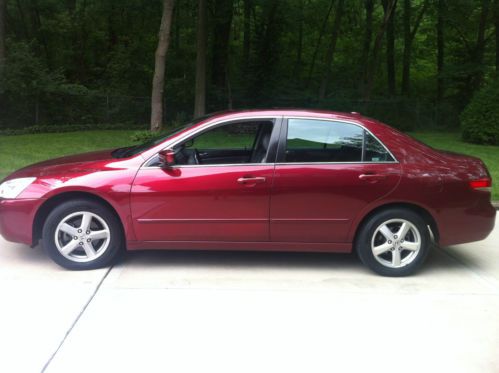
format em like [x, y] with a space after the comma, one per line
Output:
[71, 163]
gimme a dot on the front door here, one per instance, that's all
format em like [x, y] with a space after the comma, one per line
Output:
[326, 172]
[219, 189]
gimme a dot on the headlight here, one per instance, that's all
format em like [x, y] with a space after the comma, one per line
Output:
[12, 188]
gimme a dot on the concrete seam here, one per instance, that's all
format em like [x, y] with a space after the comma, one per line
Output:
[77, 319]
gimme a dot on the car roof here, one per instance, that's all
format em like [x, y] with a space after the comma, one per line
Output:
[312, 113]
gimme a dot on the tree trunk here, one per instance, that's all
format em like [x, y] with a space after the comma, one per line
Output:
[440, 49]
[373, 62]
[3, 8]
[200, 93]
[246, 34]
[390, 50]
[496, 25]
[332, 48]
[158, 81]
[480, 46]
[409, 35]
[368, 35]
[221, 36]
[299, 47]
[406, 57]
[316, 49]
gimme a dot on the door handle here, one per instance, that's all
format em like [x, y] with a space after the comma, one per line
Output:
[251, 180]
[372, 177]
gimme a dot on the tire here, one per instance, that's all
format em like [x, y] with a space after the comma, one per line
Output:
[82, 234]
[380, 247]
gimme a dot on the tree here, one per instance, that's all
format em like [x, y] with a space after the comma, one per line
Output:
[409, 35]
[373, 61]
[222, 19]
[441, 8]
[331, 49]
[496, 26]
[3, 8]
[158, 81]
[366, 45]
[200, 90]
[390, 48]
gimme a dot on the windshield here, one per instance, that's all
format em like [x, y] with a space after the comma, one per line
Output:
[136, 149]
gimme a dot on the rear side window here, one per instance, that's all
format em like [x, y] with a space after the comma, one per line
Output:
[323, 141]
[310, 140]
[374, 151]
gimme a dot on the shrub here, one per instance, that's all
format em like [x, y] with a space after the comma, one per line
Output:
[66, 128]
[480, 119]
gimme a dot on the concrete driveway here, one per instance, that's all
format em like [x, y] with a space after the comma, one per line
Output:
[250, 312]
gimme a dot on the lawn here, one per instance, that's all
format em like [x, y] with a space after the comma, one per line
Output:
[22, 150]
[19, 151]
[452, 141]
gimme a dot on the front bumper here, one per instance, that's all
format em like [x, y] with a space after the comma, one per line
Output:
[16, 219]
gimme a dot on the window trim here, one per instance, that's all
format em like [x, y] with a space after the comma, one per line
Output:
[271, 151]
[281, 151]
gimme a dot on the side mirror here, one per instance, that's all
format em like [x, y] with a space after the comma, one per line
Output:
[167, 158]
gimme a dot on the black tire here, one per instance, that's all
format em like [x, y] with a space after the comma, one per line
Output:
[111, 246]
[381, 263]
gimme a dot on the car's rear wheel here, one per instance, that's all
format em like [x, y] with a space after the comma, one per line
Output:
[82, 234]
[394, 242]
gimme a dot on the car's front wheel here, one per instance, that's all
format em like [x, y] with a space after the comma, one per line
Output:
[82, 234]
[394, 242]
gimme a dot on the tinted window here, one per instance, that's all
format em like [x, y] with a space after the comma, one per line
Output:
[375, 152]
[234, 143]
[323, 141]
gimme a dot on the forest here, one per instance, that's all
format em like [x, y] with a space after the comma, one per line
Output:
[412, 63]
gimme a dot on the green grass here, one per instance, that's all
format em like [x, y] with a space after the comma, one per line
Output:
[452, 141]
[22, 150]
[19, 151]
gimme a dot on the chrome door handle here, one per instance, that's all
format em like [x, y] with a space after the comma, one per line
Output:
[372, 177]
[251, 180]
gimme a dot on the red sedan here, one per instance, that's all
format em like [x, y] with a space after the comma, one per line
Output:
[289, 180]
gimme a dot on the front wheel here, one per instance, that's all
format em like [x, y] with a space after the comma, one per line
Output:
[394, 242]
[82, 234]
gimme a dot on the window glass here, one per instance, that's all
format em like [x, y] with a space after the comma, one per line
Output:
[230, 136]
[234, 143]
[323, 141]
[375, 152]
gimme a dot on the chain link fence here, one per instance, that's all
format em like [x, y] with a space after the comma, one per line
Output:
[68, 109]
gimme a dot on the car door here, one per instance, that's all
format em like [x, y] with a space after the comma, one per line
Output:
[326, 172]
[224, 198]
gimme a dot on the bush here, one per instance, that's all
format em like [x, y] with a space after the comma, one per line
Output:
[480, 119]
[66, 128]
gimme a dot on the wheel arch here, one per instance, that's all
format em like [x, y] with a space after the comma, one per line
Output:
[423, 212]
[47, 206]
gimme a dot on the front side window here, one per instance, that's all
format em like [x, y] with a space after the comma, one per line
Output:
[311, 140]
[233, 143]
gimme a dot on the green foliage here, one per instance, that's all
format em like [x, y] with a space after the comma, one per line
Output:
[92, 61]
[66, 128]
[143, 136]
[480, 119]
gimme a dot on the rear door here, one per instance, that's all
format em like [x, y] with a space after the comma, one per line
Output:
[326, 172]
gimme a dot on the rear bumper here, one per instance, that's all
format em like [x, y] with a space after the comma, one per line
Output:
[459, 226]
[16, 219]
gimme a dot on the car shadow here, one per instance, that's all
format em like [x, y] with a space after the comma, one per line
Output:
[439, 260]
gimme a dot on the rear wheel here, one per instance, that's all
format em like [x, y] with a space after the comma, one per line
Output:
[82, 234]
[394, 242]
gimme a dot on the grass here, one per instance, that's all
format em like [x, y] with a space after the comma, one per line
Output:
[19, 151]
[22, 150]
[452, 141]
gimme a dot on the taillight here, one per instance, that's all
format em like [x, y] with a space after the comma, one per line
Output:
[481, 184]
